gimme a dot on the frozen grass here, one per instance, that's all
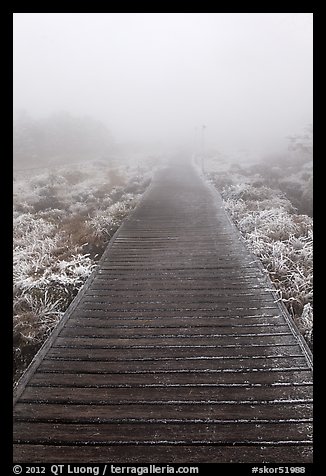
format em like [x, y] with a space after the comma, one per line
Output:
[277, 234]
[63, 220]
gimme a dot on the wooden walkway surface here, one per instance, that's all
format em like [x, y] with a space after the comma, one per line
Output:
[175, 350]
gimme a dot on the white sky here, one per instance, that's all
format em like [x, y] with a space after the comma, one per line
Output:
[157, 76]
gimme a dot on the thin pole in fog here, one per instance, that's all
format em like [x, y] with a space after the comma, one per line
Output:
[202, 146]
[197, 146]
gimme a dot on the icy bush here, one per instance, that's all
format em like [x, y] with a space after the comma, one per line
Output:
[306, 322]
[281, 238]
[62, 222]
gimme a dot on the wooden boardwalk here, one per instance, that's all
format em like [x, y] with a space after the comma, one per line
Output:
[176, 350]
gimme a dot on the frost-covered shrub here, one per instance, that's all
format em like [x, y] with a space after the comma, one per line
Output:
[62, 222]
[247, 192]
[306, 322]
[104, 222]
[281, 238]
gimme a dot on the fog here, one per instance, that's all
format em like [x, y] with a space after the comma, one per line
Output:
[158, 77]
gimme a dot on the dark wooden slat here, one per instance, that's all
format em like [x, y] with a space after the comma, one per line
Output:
[244, 295]
[219, 278]
[68, 379]
[217, 323]
[186, 282]
[185, 313]
[170, 366]
[264, 339]
[186, 269]
[221, 275]
[170, 332]
[215, 433]
[133, 322]
[163, 454]
[133, 302]
[229, 254]
[163, 276]
[169, 354]
[177, 413]
[142, 264]
[187, 394]
[169, 284]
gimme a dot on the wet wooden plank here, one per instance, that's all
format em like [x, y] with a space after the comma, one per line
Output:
[105, 320]
[223, 312]
[191, 295]
[167, 341]
[214, 433]
[170, 394]
[116, 355]
[133, 302]
[221, 279]
[181, 275]
[226, 379]
[170, 332]
[162, 454]
[214, 366]
[152, 413]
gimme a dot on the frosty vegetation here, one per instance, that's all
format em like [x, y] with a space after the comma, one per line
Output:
[271, 204]
[63, 220]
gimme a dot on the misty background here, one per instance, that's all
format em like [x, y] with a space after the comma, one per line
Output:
[153, 79]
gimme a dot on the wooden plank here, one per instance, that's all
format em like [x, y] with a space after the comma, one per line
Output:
[181, 312]
[181, 295]
[222, 270]
[163, 285]
[171, 366]
[189, 268]
[248, 298]
[169, 332]
[219, 276]
[191, 273]
[195, 261]
[159, 454]
[106, 320]
[164, 413]
[155, 309]
[170, 394]
[217, 324]
[121, 286]
[222, 282]
[225, 379]
[172, 254]
[97, 341]
[104, 304]
[223, 433]
[116, 355]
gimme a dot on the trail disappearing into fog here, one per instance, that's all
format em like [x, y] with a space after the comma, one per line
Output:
[175, 348]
